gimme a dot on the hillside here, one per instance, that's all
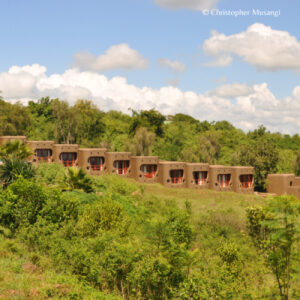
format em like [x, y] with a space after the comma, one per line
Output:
[177, 138]
[130, 240]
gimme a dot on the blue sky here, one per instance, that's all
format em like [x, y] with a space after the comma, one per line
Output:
[50, 33]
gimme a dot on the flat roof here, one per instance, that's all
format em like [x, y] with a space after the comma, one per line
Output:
[92, 149]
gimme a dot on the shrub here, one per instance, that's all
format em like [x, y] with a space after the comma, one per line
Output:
[12, 168]
[106, 215]
[21, 203]
[50, 174]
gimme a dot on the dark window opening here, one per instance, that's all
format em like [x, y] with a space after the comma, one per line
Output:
[122, 166]
[96, 162]
[68, 158]
[43, 154]
[247, 181]
[224, 180]
[176, 176]
[200, 178]
[149, 171]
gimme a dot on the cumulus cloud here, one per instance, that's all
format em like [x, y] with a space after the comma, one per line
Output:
[175, 65]
[232, 90]
[244, 106]
[260, 46]
[187, 4]
[116, 57]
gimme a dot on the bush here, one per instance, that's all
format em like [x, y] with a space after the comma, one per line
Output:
[50, 174]
[21, 203]
[13, 168]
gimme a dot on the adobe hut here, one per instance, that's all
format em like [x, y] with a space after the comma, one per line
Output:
[65, 154]
[42, 151]
[172, 174]
[197, 175]
[144, 168]
[243, 179]
[118, 163]
[92, 160]
[220, 178]
[279, 184]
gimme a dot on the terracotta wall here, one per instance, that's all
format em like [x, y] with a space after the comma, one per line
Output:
[92, 160]
[172, 168]
[220, 178]
[197, 175]
[41, 145]
[243, 179]
[144, 168]
[112, 158]
[279, 184]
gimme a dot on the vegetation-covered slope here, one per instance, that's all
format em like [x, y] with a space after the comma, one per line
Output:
[129, 240]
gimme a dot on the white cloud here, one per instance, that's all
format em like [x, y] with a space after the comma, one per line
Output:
[172, 82]
[187, 4]
[232, 90]
[250, 106]
[260, 46]
[175, 65]
[116, 57]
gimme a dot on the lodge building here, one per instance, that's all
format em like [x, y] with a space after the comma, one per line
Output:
[283, 184]
[144, 169]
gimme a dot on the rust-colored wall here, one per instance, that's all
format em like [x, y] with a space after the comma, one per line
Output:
[190, 168]
[296, 181]
[60, 148]
[237, 185]
[6, 139]
[137, 161]
[164, 177]
[214, 171]
[110, 157]
[39, 145]
[279, 184]
[83, 159]
[294, 190]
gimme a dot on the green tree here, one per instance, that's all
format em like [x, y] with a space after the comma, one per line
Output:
[286, 161]
[42, 107]
[151, 119]
[297, 164]
[42, 119]
[274, 230]
[142, 143]
[88, 126]
[64, 121]
[14, 119]
[206, 149]
[260, 152]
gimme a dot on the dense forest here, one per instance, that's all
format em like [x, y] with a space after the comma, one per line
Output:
[179, 137]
